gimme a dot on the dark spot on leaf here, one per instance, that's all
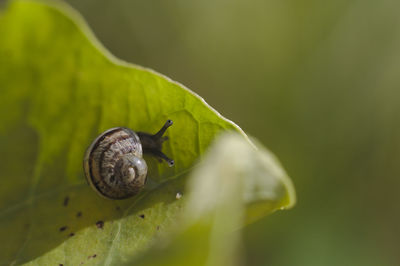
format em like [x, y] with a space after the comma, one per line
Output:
[66, 200]
[60, 264]
[118, 208]
[141, 216]
[100, 224]
[79, 214]
[158, 227]
[94, 256]
[72, 234]
[63, 228]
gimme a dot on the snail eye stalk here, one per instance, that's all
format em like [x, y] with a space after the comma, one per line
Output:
[152, 144]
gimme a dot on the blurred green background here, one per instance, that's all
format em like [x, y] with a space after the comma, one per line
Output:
[318, 82]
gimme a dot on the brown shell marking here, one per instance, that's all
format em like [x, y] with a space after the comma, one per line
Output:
[101, 158]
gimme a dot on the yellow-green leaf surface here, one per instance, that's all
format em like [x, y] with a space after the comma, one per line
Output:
[221, 191]
[58, 90]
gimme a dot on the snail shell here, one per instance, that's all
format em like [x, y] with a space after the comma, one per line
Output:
[114, 164]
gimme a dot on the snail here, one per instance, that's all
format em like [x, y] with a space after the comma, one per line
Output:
[114, 164]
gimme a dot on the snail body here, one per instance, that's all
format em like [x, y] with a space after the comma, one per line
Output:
[114, 164]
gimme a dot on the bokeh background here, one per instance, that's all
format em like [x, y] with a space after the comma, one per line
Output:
[318, 82]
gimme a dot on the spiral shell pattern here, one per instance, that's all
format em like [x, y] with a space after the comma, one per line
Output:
[103, 160]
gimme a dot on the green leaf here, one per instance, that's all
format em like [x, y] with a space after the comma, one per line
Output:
[220, 192]
[59, 88]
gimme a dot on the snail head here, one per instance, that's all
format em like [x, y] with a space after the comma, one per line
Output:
[152, 144]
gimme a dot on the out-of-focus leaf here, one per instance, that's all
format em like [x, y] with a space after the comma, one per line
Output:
[232, 178]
